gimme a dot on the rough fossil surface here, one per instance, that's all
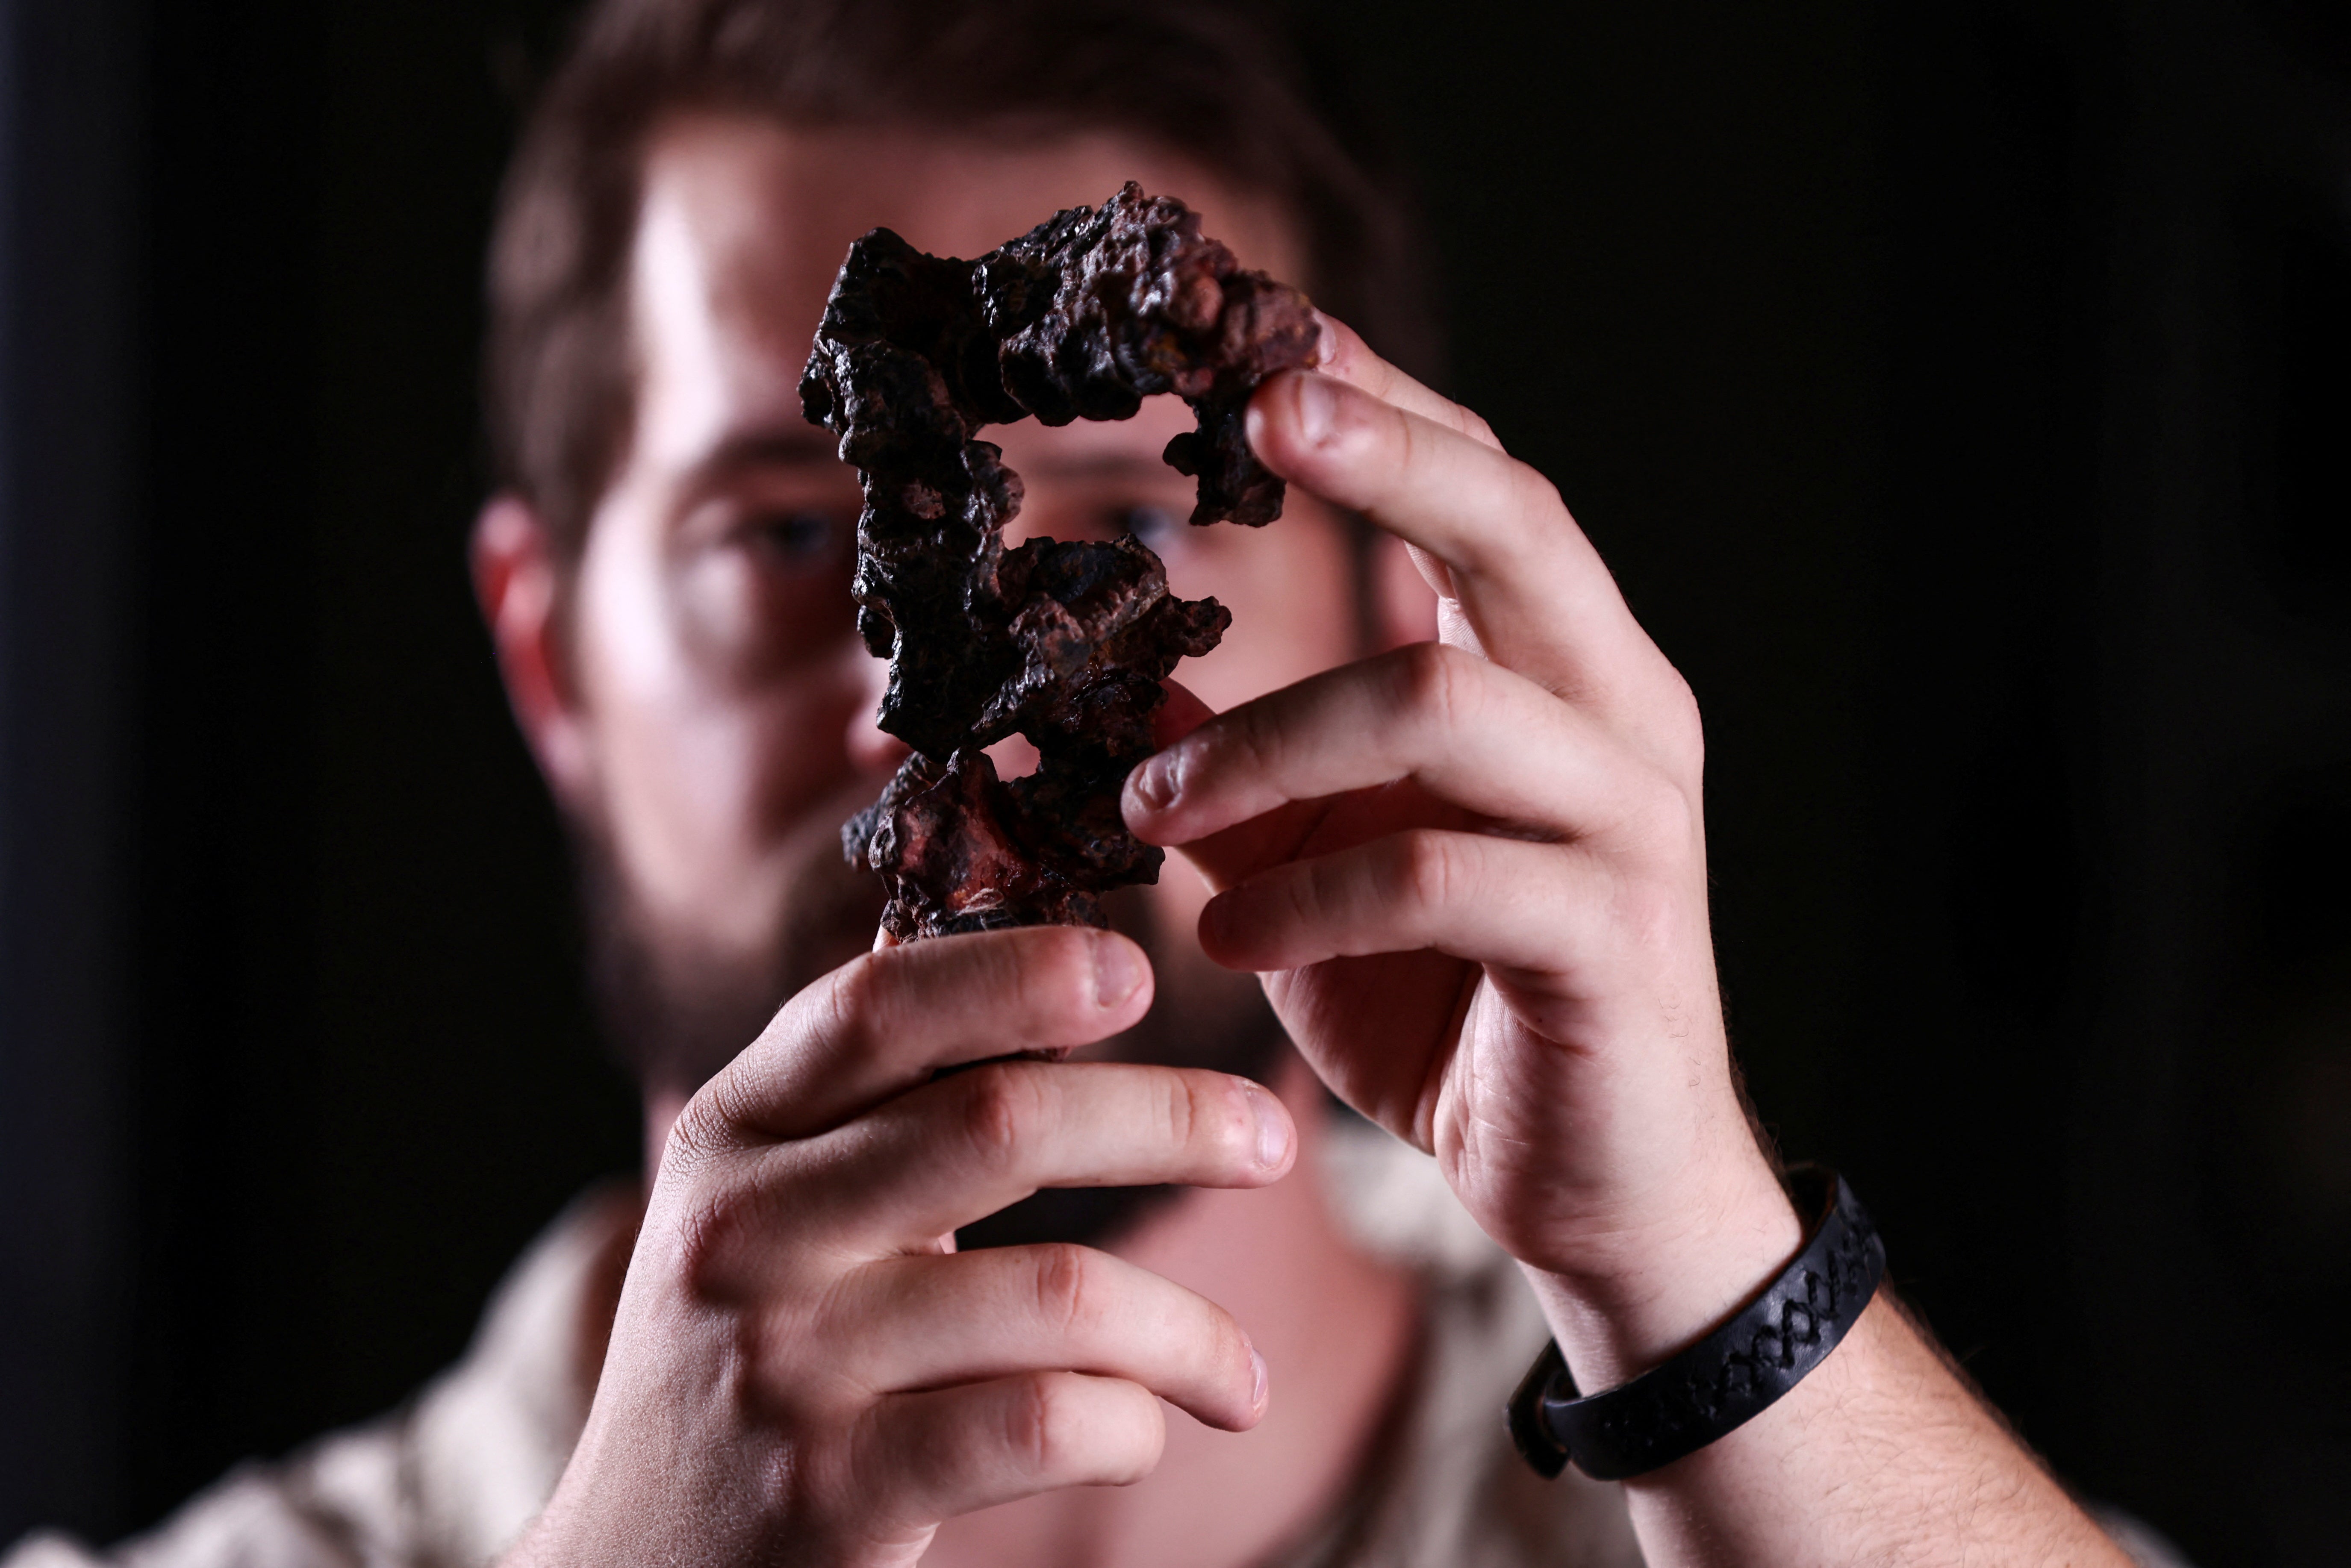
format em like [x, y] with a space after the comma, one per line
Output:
[1063, 643]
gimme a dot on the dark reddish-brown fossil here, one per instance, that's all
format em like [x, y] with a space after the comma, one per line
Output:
[1063, 641]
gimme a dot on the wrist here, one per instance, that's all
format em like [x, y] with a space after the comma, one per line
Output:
[1775, 1339]
[1620, 1307]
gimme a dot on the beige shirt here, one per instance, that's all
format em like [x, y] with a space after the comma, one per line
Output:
[451, 1478]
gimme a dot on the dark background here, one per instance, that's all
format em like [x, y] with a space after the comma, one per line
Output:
[1961, 389]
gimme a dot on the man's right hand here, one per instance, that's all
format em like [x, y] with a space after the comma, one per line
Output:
[804, 1370]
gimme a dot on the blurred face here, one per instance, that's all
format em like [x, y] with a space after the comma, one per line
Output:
[722, 704]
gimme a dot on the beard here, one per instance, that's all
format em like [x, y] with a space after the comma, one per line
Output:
[676, 1013]
[675, 1009]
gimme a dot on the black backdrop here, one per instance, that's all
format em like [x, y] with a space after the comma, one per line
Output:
[1958, 387]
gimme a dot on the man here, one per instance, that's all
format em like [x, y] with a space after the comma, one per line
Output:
[1439, 796]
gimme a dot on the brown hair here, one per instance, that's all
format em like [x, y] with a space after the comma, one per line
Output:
[1204, 80]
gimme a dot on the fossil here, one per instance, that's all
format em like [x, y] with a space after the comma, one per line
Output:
[1065, 643]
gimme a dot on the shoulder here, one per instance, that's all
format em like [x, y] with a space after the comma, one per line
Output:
[449, 1477]
[326, 1509]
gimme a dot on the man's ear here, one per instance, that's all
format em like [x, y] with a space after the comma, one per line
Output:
[1404, 607]
[515, 581]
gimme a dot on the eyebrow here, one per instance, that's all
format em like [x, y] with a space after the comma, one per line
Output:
[763, 448]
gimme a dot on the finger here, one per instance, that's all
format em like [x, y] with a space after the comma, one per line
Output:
[928, 1456]
[1504, 902]
[1466, 730]
[1340, 352]
[1532, 590]
[928, 1322]
[883, 1022]
[961, 1148]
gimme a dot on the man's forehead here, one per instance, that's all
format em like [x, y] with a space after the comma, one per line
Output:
[745, 223]
[764, 213]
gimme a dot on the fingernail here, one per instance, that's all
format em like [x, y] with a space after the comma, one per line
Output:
[1318, 408]
[1257, 1380]
[1326, 340]
[1118, 972]
[1155, 783]
[1272, 1127]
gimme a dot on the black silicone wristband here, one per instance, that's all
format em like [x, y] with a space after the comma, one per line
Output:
[1725, 1379]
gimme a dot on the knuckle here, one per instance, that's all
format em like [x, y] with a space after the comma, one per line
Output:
[702, 1243]
[1428, 867]
[1037, 1421]
[854, 999]
[1534, 494]
[1403, 440]
[1001, 1103]
[1181, 1112]
[863, 1475]
[1531, 512]
[1685, 732]
[703, 1130]
[827, 1485]
[1066, 1287]
[1255, 738]
[822, 1322]
[1182, 1115]
[1661, 816]
[1673, 815]
[1436, 680]
[1302, 899]
[1056, 981]
[1646, 916]
[730, 1109]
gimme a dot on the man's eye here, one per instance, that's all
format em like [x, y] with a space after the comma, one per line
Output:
[800, 537]
[1152, 525]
